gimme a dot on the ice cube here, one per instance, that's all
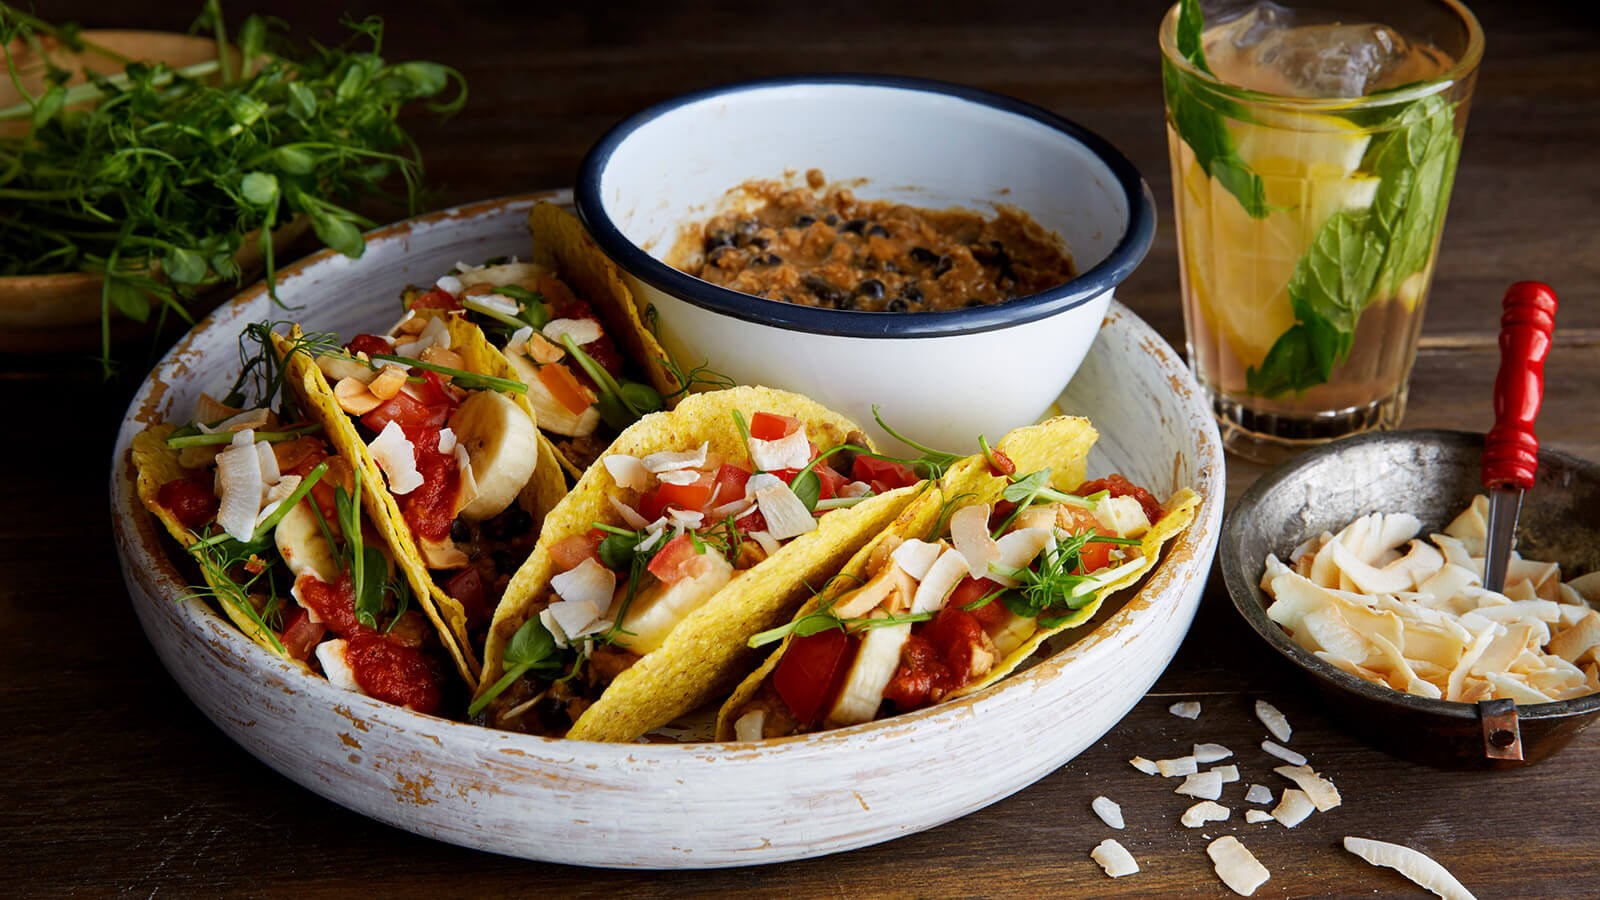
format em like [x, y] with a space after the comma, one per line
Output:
[1269, 48]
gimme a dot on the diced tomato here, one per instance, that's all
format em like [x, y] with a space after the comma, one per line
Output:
[829, 480]
[765, 426]
[751, 521]
[912, 684]
[957, 636]
[302, 635]
[810, 672]
[435, 390]
[692, 496]
[430, 508]
[435, 299]
[370, 344]
[1119, 486]
[676, 560]
[730, 482]
[411, 414]
[1000, 463]
[404, 676]
[558, 379]
[1095, 555]
[1002, 511]
[971, 590]
[191, 500]
[468, 589]
[889, 474]
[572, 550]
[650, 505]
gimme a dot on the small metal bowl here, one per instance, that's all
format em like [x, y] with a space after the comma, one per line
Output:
[1432, 475]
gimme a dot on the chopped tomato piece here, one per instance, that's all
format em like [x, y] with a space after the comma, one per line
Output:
[1000, 463]
[302, 634]
[561, 299]
[692, 496]
[1095, 556]
[829, 480]
[1002, 511]
[435, 299]
[411, 414]
[676, 560]
[558, 379]
[890, 474]
[435, 390]
[970, 591]
[765, 426]
[650, 505]
[958, 637]
[370, 344]
[572, 550]
[810, 672]
[751, 521]
[468, 589]
[730, 482]
[912, 684]
[1119, 486]
[191, 500]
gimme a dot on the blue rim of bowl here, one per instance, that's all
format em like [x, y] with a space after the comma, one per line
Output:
[1126, 256]
[1245, 590]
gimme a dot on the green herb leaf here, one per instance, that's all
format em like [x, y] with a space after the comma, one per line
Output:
[184, 266]
[369, 602]
[340, 234]
[531, 647]
[260, 188]
[461, 378]
[1202, 128]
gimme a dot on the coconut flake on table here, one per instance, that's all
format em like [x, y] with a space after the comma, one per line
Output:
[1114, 858]
[1229, 774]
[1108, 811]
[1203, 812]
[1258, 793]
[395, 455]
[1171, 768]
[1236, 866]
[1187, 709]
[1413, 864]
[1146, 766]
[1257, 816]
[1277, 723]
[792, 451]
[1210, 753]
[668, 460]
[1201, 785]
[1284, 753]
[1293, 808]
[1319, 789]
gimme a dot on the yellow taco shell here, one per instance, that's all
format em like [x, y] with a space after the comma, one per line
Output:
[705, 652]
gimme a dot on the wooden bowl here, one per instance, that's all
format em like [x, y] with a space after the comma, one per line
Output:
[1433, 475]
[666, 805]
[61, 312]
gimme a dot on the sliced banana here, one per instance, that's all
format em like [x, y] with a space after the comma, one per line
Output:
[503, 446]
[1011, 632]
[552, 415]
[657, 609]
[302, 546]
[875, 664]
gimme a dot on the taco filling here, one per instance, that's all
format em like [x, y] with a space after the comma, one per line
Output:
[688, 523]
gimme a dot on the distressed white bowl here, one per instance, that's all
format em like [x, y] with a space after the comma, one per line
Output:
[665, 805]
[939, 377]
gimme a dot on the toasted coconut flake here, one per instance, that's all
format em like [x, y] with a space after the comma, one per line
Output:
[393, 453]
[582, 331]
[630, 516]
[1203, 812]
[679, 477]
[355, 397]
[1114, 858]
[942, 578]
[1257, 816]
[1413, 864]
[793, 451]
[1319, 789]
[627, 471]
[1171, 768]
[969, 532]
[1293, 808]
[1018, 549]
[391, 378]
[1108, 811]
[916, 557]
[750, 726]
[1187, 709]
[785, 513]
[1210, 753]
[1284, 753]
[1258, 793]
[588, 582]
[1229, 774]
[240, 486]
[1236, 866]
[337, 669]
[1201, 785]
[667, 460]
[1275, 721]
[250, 418]
[1146, 766]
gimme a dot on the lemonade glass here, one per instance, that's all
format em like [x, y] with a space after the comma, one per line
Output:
[1312, 155]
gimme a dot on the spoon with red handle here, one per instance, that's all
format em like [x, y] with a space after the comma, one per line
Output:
[1511, 450]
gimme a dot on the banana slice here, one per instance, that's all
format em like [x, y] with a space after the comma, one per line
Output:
[1011, 632]
[302, 546]
[875, 664]
[552, 414]
[657, 609]
[503, 446]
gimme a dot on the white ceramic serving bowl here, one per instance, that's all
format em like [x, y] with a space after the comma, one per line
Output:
[665, 805]
[940, 377]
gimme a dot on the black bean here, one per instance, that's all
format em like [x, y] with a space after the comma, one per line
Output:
[854, 226]
[911, 293]
[552, 715]
[771, 259]
[877, 231]
[804, 221]
[825, 292]
[890, 267]
[460, 531]
[514, 522]
[846, 303]
[974, 301]
[944, 265]
[716, 239]
[924, 255]
[715, 257]
[830, 220]
[760, 242]
[897, 305]
[506, 562]
[1007, 274]
[872, 289]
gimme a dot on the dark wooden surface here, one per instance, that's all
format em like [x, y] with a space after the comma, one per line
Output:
[110, 782]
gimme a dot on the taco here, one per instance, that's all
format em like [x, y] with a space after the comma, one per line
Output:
[698, 528]
[962, 588]
[454, 469]
[271, 513]
[569, 329]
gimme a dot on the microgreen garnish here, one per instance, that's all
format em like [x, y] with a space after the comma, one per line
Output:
[156, 177]
[217, 563]
[1025, 490]
[461, 378]
[931, 464]
[531, 309]
[531, 649]
[823, 618]
[179, 441]
[1053, 581]
[262, 374]
[362, 562]
[620, 404]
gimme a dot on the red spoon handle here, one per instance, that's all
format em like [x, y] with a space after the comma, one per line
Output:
[1511, 450]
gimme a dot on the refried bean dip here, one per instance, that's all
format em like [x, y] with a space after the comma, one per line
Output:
[838, 252]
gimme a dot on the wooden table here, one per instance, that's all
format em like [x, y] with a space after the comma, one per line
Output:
[112, 782]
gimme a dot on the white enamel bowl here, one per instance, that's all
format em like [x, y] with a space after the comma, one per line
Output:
[939, 377]
[665, 805]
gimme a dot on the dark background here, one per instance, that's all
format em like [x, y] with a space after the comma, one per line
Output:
[110, 782]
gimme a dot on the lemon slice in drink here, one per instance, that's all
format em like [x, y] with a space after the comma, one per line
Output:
[1298, 143]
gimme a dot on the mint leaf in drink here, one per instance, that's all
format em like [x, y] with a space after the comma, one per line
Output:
[1416, 161]
[1202, 128]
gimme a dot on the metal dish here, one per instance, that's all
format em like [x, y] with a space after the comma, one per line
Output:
[1432, 475]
